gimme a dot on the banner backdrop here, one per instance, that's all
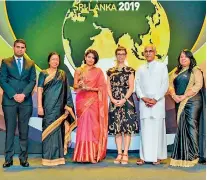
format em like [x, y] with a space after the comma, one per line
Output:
[72, 27]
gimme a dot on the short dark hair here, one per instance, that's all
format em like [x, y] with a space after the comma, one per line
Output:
[193, 62]
[20, 41]
[96, 56]
[51, 54]
[120, 48]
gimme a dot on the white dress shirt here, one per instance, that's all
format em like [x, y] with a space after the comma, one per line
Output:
[151, 81]
[21, 61]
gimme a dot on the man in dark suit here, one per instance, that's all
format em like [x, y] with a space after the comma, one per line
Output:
[17, 79]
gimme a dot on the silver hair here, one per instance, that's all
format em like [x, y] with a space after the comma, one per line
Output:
[150, 45]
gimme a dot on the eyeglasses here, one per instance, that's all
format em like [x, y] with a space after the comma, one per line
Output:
[150, 52]
[121, 54]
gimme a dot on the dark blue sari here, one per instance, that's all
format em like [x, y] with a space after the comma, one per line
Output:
[186, 143]
[56, 97]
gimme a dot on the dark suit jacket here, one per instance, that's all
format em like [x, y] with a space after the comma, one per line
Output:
[13, 83]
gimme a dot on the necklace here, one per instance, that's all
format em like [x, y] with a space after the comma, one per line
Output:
[49, 71]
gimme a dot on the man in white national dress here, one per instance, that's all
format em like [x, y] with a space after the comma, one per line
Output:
[151, 86]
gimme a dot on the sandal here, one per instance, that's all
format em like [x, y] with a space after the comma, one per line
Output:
[118, 160]
[140, 162]
[123, 161]
[157, 163]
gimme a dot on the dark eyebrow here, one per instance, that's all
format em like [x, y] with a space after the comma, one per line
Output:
[20, 46]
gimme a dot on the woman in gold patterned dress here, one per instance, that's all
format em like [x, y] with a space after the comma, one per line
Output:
[186, 89]
[122, 116]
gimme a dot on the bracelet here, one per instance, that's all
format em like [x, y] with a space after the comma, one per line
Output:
[39, 106]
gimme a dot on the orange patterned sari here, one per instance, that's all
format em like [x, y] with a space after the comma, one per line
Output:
[92, 113]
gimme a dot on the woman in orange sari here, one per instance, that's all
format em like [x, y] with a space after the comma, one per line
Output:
[92, 111]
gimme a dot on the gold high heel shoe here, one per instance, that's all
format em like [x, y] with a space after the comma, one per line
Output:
[124, 162]
[118, 160]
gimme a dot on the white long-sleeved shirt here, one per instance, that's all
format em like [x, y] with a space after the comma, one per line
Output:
[152, 81]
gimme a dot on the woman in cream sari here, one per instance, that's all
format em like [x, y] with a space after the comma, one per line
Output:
[186, 88]
[55, 105]
[92, 111]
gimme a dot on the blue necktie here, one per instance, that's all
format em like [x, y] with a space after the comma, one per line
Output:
[19, 65]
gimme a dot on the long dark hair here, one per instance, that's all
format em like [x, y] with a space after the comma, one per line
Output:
[188, 54]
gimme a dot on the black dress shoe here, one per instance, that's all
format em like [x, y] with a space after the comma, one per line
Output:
[202, 161]
[24, 163]
[7, 164]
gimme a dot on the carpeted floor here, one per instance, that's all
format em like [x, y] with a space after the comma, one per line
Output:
[104, 170]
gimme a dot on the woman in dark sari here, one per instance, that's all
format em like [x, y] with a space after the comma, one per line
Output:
[186, 88]
[55, 105]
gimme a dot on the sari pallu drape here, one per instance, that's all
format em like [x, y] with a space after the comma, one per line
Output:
[202, 127]
[186, 151]
[92, 113]
[57, 126]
